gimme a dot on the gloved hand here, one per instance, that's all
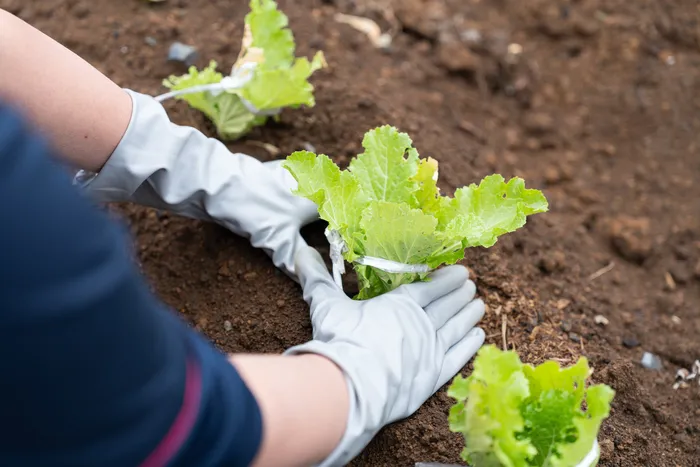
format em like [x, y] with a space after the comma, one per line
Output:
[179, 169]
[396, 350]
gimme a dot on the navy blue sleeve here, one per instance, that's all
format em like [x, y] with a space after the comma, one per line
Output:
[94, 370]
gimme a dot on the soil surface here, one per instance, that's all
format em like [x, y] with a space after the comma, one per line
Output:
[595, 102]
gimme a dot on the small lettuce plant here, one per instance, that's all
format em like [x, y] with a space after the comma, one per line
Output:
[517, 415]
[387, 206]
[265, 78]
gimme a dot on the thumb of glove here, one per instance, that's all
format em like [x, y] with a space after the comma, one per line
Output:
[316, 282]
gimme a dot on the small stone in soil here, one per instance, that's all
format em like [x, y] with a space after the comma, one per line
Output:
[182, 53]
[227, 325]
[651, 361]
[680, 273]
[308, 147]
[151, 41]
[575, 337]
[281, 303]
[682, 252]
[565, 326]
[630, 342]
[600, 319]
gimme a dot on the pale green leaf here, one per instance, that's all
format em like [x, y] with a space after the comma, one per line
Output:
[598, 399]
[268, 27]
[398, 233]
[387, 167]
[202, 101]
[283, 87]
[493, 208]
[232, 118]
[489, 417]
[428, 192]
[338, 195]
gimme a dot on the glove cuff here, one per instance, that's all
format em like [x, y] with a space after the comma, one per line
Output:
[363, 423]
[110, 183]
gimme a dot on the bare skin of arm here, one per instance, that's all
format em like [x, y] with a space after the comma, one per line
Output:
[83, 113]
[303, 399]
[304, 403]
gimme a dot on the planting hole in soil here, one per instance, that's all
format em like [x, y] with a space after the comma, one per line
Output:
[594, 103]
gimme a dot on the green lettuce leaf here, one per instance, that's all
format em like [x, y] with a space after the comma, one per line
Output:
[396, 232]
[387, 205]
[517, 415]
[279, 80]
[488, 410]
[201, 101]
[495, 208]
[228, 113]
[269, 32]
[387, 168]
[338, 194]
[273, 88]
[428, 193]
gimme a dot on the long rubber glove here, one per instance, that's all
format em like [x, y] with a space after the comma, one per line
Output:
[177, 168]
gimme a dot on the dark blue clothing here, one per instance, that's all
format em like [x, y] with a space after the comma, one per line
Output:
[94, 370]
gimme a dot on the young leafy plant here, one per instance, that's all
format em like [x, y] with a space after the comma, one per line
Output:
[269, 76]
[517, 415]
[387, 205]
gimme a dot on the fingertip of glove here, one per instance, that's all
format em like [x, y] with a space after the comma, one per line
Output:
[477, 334]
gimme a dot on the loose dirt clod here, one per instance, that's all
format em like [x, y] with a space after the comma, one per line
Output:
[631, 238]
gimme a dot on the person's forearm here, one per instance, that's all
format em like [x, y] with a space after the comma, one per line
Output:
[81, 111]
[304, 403]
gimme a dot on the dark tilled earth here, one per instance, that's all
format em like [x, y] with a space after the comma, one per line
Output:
[595, 102]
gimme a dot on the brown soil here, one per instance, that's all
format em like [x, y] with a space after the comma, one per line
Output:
[597, 104]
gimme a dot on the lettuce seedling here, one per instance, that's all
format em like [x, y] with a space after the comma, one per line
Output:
[387, 205]
[518, 415]
[265, 78]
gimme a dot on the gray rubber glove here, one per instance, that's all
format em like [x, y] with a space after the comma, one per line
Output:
[179, 169]
[396, 350]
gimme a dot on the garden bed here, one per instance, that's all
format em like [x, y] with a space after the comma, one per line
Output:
[594, 102]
